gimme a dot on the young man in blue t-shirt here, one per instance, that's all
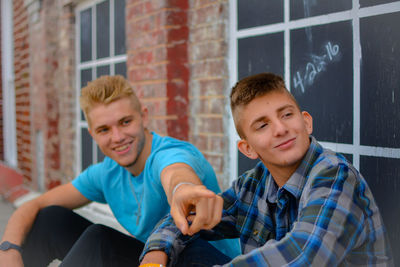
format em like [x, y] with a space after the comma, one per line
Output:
[137, 178]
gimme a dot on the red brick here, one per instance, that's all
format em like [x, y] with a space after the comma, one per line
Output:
[208, 14]
[147, 73]
[156, 108]
[217, 105]
[211, 87]
[215, 31]
[211, 125]
[183, 4]
[138, 40]
[178, 34]
[210, 68]
[217, 162]
[150, 90]
[200, 141]
[207, 50]
[217, 144]
[175, 17]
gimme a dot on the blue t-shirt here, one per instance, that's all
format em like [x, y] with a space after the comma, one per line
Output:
[108, 182]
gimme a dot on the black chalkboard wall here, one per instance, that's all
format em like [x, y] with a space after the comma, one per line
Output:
[321, 68]
[344, 68]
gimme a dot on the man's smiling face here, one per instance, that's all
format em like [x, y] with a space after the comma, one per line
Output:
[119, 130]
[275, 130]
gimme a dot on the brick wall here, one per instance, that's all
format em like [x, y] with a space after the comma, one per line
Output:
[209, 82]
[44, 55]
[177, 54]
[157, 39]
[64, 81]
[1, 102]
[51, 34]
[22, 84]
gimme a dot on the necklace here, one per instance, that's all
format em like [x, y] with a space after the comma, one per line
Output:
[138, 212]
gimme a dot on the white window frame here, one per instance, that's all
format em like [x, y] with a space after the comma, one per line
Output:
[356, 149]
[111, 60]
[7, 61]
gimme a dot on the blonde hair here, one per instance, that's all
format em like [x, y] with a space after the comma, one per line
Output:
[251, 87]
[105, 90]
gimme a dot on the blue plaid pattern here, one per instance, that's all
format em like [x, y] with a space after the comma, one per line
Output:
[325, 215]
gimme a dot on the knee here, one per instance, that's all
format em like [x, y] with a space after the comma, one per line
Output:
[52, 213]
[95, 232]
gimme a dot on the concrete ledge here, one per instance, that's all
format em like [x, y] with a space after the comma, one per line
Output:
[101, 213]
[13, 190]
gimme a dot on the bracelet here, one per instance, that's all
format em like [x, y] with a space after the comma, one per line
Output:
[151, 265]
[178, 185]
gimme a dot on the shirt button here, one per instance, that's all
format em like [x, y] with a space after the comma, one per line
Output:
[255, 232]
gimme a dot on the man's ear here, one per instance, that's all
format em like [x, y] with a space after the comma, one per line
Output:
[308, 121]
[145, 116]
[246, 149]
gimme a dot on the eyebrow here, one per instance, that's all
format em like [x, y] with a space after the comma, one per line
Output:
[119, 121]
[285, 107]
[124, 118]
[100, 127]
[262, 118]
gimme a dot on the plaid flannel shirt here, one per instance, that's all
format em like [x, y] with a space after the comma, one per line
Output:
[325, 215]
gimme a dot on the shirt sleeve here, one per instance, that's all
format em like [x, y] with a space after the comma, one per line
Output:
[168, 156]
[329, 225]
[89, 183]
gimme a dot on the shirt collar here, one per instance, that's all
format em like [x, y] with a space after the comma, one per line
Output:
[296, 182]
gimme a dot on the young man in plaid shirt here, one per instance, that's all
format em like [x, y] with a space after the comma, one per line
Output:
[302, 205]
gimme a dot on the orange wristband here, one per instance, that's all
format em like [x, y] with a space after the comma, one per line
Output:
[151, 265]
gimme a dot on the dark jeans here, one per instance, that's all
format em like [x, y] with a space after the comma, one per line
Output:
[59, 233]
[201, 254]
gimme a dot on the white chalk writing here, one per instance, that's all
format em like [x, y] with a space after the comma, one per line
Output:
[315, 66]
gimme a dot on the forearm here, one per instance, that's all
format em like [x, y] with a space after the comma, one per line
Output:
[20, 223]
[175, 174]
[23, 218]
[158, 257]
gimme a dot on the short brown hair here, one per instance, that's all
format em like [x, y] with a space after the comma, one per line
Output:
[251, 87]
[105, 90]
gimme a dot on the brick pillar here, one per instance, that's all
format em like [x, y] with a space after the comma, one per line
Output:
[64, 82]
[1, 102]
[51, 34]
[22, 86]
[209, 82]
[157, 40]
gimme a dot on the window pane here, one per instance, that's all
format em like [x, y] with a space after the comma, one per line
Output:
[244, 163]
[252, 13]
[86, 34]
[380, 80]
[321, 70]
[120, 68]
[366, 3]
[103, 70]
[86, 76]
[305, 9]
[383, 176]
[103, 29]
[119, 27]
[86, 146]
[100, 155]
[260, 54]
